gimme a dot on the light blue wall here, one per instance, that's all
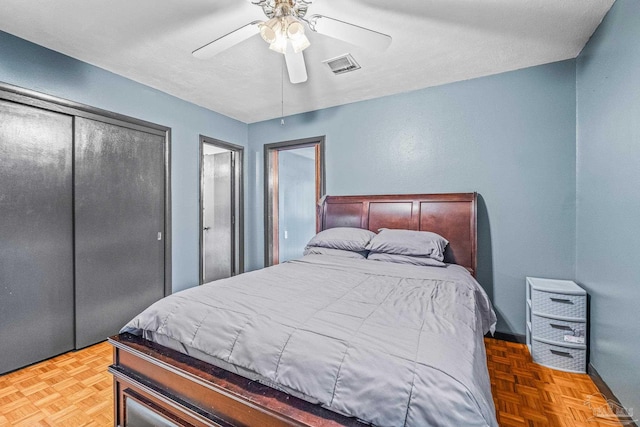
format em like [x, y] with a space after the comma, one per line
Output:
[608, 191]
[510, 137]
[297, 193]
[33, 67]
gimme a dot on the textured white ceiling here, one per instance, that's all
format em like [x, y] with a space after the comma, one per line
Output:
[434, 42]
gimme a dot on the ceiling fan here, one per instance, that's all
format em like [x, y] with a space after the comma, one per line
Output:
[285, 32]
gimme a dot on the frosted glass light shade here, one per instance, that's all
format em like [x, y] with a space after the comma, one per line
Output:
[270, 30]
[279, 45]
[300, 43]
[295, 28]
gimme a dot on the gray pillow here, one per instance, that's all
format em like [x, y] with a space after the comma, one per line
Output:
[409, 242]
[345, 238]
[405, 259]
[314, 250]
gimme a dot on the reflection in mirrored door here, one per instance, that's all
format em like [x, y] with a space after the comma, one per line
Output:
[296, 201]
[220, 202]
[294, 182]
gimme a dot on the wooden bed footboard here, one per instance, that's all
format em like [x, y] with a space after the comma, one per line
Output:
[157, 386]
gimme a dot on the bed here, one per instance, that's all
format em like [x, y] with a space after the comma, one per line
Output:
[321, 341]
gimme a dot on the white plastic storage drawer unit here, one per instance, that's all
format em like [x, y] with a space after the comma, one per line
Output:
[557, 324]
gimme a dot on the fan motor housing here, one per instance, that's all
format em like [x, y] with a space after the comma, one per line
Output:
[275, 8]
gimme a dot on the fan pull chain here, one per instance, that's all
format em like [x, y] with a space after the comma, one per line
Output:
[282, 92]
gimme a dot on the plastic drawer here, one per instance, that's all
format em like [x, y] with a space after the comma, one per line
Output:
[555, 330]
[556, 304]
[559, 357]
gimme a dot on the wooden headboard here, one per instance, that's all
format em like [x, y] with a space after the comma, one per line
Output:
[453, 216]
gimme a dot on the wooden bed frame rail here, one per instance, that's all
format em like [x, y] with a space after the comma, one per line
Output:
[154, 385]
[184, 391]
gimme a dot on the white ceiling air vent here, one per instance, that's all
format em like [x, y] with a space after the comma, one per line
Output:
[342, 64]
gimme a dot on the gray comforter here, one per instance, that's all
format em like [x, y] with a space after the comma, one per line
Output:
[390, 344]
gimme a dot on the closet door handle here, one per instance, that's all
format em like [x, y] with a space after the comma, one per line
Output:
[207, 228]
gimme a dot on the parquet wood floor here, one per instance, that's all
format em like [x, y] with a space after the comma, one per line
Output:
[74, 389]
[527, 394]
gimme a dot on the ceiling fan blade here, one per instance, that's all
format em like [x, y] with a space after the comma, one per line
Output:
[223, 43]
[350, 33]
[295, 65]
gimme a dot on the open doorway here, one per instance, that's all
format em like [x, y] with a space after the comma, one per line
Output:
[221, 210]
[294, 183]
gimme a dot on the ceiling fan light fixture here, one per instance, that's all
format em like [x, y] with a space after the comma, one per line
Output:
[300, 43]
[279, 45]
[280, 31]
[270, 30]
[284, 31]
[294, 28]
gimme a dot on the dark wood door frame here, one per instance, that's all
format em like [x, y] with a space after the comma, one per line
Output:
[270, 156]
[238, 172]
